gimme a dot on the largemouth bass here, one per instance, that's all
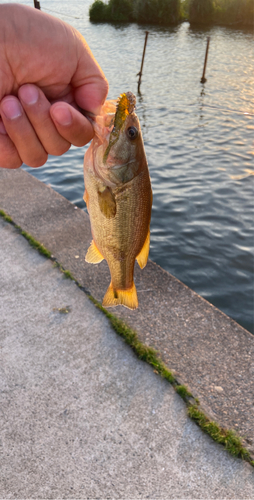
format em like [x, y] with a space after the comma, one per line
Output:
[118, 196]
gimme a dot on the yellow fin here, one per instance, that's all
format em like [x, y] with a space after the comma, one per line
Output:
[142, 257]
[86, 198]
[93, 256]
[127, 298]
[107, 202]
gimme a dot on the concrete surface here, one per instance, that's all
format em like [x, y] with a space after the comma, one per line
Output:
[80, 415]
[207, 350]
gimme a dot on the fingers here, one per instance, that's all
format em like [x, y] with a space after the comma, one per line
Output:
[21, 133]
[31, 128]
[71, 124]
[92, 95]
[9, 157]
[57, 126]
[37, 110]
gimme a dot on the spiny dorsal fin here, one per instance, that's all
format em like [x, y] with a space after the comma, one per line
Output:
[93, 255]
[142, 257]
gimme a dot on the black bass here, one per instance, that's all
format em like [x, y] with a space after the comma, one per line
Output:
[118, 195]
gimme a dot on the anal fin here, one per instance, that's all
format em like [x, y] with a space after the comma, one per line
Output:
[93, 255]
[127, 298]
[142, 257]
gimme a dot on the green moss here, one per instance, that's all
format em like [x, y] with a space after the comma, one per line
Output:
[32, 241]
[225, 437]
[67, 274]
[6, 217]
[228, 438]
[183, 391]
[35, 244]
[144, 352]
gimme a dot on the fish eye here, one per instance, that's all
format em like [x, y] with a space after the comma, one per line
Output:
[132, 133]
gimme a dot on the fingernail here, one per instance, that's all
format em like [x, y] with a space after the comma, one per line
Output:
[11, 108]
[29, 94]
[2, 128]
[62, 115]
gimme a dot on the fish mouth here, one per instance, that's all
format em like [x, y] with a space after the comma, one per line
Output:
[125, 107]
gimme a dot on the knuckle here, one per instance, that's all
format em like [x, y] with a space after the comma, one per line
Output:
[60, 150]
[105, 87]
[9, 157]
[11, 163]
[38, 161]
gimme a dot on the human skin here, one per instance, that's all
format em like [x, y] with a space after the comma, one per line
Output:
[47, 71]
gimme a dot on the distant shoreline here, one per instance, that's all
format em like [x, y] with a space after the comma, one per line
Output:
[231, 13]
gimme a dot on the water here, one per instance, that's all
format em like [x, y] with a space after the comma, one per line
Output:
[199, 144]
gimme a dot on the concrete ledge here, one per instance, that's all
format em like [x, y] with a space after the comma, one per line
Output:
[208, 351]
[81, 417]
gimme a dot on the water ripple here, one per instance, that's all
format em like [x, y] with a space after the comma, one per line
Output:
[199, 144]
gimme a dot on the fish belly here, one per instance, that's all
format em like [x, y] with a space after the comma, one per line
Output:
[121, 237]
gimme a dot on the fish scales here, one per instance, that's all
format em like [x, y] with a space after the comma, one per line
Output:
[119, 198]
[120, 239]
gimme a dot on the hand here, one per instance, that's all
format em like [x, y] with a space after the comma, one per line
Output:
[47, 71]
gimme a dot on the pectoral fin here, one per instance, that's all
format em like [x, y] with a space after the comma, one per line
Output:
[143, 255]
[107, 202]
[93, 255]
[127, 298]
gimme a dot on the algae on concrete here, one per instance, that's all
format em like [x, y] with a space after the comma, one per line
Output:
[225, 437]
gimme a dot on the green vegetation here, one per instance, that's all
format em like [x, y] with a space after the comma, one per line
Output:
[34, 243]
[200, 11]
[6, 217]
[233, 12]
[225, 437]
[183, 392]
[167, 12]
[163, 12]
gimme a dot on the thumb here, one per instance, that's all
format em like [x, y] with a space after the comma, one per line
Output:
[89, 82]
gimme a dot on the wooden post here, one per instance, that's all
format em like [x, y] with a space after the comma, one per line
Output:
[143, 57]
[203, 79]
[37, 5]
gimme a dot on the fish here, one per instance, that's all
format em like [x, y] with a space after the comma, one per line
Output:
[118, 196]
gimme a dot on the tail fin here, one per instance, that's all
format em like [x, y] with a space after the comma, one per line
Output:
[127, 298]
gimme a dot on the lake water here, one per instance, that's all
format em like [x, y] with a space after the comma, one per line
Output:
[199, 145]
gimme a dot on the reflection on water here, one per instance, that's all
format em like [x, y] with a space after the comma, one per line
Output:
[199, 144]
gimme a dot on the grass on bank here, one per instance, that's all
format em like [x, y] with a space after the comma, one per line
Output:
[168, 12]
[225, 437]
